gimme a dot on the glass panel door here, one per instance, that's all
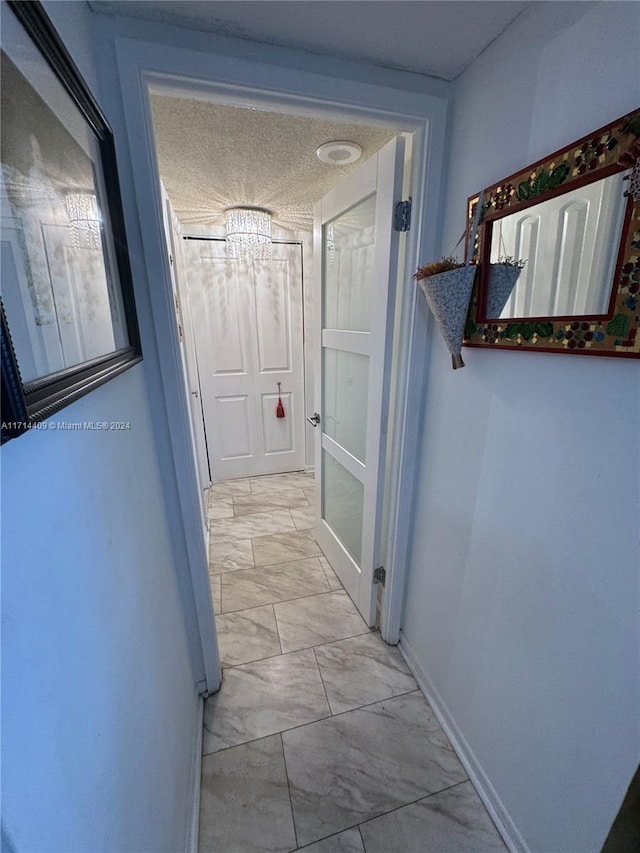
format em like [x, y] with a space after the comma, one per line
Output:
[356, 249]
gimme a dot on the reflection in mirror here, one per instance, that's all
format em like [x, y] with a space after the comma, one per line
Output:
[569, 245]
[57, 274]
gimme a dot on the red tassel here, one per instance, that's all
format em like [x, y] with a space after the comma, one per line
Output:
[279, 407]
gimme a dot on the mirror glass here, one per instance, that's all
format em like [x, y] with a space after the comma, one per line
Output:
[569, 245]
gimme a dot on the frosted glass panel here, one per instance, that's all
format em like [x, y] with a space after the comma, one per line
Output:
[342, 504]
[345, 384]
[348, 244]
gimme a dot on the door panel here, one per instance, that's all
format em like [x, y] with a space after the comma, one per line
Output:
[273, 316]
[569, 246]
[248, 338]
[233, 414]
[223, 306]
[278, 432]
[355, 285]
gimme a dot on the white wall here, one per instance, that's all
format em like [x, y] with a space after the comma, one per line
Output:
[99, 662]
[522, 601]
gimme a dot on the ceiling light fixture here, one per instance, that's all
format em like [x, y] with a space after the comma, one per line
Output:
[84, 218]
[248, 232]
[339, 153]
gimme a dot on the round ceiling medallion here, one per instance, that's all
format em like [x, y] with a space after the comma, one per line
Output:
[339, 153]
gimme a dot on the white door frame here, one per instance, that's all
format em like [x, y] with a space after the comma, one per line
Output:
[172, 231]
[225, 78]
[190, 354]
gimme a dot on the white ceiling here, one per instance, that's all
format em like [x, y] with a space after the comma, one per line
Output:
[213, 156]
[439, 38]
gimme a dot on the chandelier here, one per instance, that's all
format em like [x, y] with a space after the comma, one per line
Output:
[84, 218]
[248, 232]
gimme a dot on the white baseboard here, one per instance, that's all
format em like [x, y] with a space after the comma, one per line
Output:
[193, 830]
[487, 793]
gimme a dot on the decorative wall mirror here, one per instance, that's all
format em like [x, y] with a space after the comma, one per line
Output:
[574, 220]
[66, 298]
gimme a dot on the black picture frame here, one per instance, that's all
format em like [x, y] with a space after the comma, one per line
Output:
[27, 403]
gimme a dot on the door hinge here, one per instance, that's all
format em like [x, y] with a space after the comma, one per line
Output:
[379, 575]
[402, 215]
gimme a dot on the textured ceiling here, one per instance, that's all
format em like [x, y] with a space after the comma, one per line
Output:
[439, 39]
[214, 156]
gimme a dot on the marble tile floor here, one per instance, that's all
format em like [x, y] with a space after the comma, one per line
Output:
[319, 739]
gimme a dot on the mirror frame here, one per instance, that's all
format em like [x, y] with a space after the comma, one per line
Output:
[610, 149]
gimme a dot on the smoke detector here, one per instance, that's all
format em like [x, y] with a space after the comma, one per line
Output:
[339, 153]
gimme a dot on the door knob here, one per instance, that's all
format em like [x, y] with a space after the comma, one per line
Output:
[314, 420]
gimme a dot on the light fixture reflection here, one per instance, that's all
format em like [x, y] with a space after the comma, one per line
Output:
[84, 218]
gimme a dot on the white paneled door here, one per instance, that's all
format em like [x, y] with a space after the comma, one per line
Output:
[247, 317]
[356, 258]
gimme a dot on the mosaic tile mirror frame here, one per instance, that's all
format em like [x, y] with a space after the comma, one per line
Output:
[568, 227]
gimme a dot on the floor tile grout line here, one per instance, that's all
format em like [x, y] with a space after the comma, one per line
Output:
[328, 642]
[324, 686]
[326, 837]
[285, 600]
[332, 715]
[305, 503]
[303, 649]
[286, 773]
[286, 532]
[328, 716]
[275, 619]
[364, 633]
[239, 520]
[413, 803]
[268, 566]
[263, 479]
[327, 576]
[359, 825]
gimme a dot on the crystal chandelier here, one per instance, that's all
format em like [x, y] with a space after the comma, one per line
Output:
[84, 218]
[248, 232]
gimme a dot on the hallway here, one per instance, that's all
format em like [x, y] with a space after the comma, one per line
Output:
[319, 735]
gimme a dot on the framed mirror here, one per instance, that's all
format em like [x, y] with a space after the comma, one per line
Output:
[558, 250]
[66, 296]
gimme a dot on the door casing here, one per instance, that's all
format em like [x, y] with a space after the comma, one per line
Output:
[227, 79]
